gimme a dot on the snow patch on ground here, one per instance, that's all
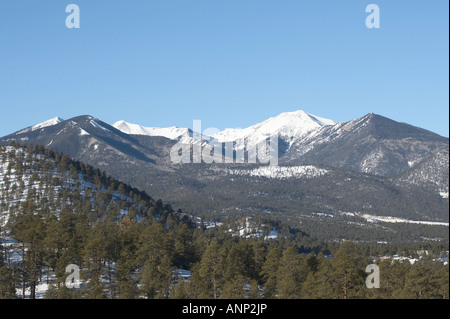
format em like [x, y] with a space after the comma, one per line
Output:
[95, 124]
[389, 219]
[443, 194]
[83, 132]
[283, 172]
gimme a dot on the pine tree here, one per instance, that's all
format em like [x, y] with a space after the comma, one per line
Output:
[157, 278]
[155, 253]
[240, 262]
[198, 287]
[392, 279]
[290, 274]
[423, 282]
[123, 249]
[348, 274]
[94, 258]
[259, 252]
[269, 273]
[154, 243]
[309, 288]
[7, 290]
[254, 292]
[183, 247]
[323, 280]
[211, 269]
[180, 290]
[29, 231]
[126, 282]
[233, 287]
[442, 282]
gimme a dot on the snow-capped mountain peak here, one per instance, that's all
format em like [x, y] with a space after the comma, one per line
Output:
[289, 126]
[292, 123]
[47, 123]
[134, 129]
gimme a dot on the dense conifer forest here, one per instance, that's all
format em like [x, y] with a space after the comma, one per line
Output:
[55, 211]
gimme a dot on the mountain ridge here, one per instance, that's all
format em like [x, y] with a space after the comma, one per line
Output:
[353, 166]
[370, 144]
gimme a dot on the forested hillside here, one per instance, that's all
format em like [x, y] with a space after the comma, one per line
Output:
[55, 212]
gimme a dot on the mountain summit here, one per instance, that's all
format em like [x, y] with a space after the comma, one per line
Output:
[289, 126]
[171, 133]
[370, 144]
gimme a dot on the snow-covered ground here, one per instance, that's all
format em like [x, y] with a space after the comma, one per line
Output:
[389, 219]
[412, 260]
[19, 187]
[282, 172]
[248, 229]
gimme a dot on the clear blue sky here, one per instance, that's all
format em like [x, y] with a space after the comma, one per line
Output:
[229, 63]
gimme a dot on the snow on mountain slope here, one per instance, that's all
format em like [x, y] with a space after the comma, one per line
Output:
[97, 125]
[47, 123]
[432, 170]
[50, 122]
[134, 129]
[289, 126]
[19, 180]
[371, 144]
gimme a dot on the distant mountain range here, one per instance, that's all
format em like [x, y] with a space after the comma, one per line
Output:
[369, 165]
[371, 144]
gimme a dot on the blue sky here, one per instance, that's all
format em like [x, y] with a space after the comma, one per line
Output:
[228, 63]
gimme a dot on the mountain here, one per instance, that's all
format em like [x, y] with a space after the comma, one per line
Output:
[289, 127]
[90, 139]
[135, 159]
[346, 170]
[172, 133]
[371, 144]
[432, 171]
